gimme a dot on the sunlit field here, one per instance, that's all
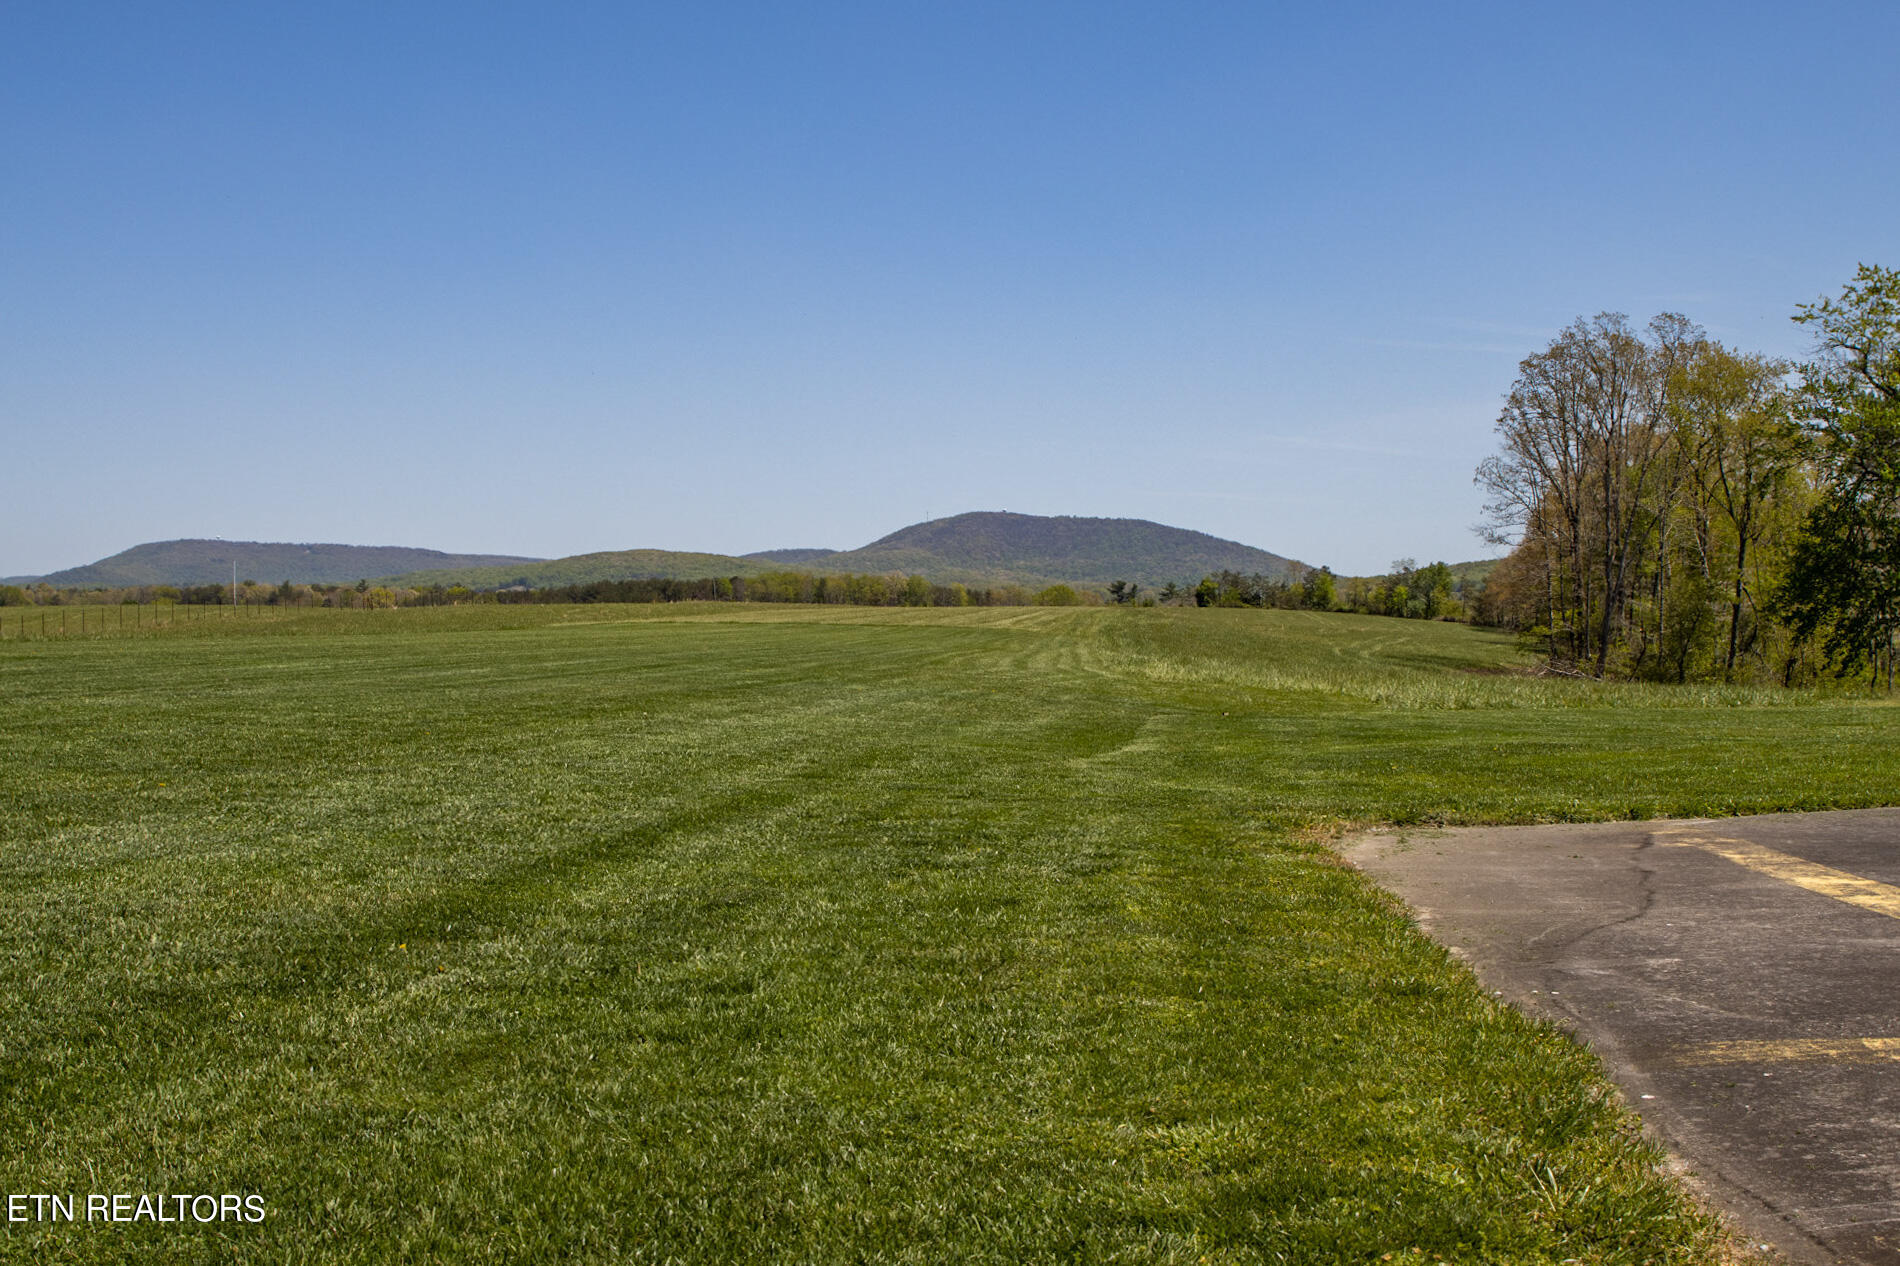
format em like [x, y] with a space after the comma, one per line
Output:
[726, 933]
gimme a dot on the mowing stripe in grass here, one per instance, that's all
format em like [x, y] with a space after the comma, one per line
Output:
[716, 933]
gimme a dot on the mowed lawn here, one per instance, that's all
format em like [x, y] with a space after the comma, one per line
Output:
[732, 933]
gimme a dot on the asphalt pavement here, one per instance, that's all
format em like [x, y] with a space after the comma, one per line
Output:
[1740, 977]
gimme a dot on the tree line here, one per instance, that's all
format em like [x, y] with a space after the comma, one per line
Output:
[361, 595]
[1679, 509]
[890, 589]
[1431, 592]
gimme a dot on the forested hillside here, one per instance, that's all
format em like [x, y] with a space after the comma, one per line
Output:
[581, 569]
[980, 550]
[208, 562]
[997, 548]
[789, 557]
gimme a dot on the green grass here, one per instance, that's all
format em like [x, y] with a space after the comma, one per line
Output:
[789, 934]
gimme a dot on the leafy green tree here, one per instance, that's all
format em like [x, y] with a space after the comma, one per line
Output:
[1317, 589]
[1844, 577]
[1582, 474]
[870, 590]
[1743, 454]
[1431, 590]
[1058, 596]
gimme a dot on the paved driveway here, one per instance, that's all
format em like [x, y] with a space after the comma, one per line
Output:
[1741, 978]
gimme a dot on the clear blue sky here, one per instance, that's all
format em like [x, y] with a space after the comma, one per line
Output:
[553, 278]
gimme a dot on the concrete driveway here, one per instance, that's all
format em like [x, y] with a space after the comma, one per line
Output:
[1740, 977]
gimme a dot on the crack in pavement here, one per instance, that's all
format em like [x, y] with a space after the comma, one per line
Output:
[1753, 1026]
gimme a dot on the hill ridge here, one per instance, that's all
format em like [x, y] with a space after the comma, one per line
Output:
[986, 546]
[207, 561]
[979, 548]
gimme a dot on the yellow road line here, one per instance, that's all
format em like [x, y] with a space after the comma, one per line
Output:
[1845, 1050]
[1869, 894]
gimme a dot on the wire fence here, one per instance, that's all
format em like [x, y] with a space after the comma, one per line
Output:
[36, 623]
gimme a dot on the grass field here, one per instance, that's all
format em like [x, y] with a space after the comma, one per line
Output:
[792, 934]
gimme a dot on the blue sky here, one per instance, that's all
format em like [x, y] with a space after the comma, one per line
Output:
[546, 279]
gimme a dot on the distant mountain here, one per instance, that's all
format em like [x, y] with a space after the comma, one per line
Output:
[579, 569]
[201, 562]
[1468, 579]
[790, 557]
[1467, 575]
[996, 547]
[985, 548]
[1473, 572]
